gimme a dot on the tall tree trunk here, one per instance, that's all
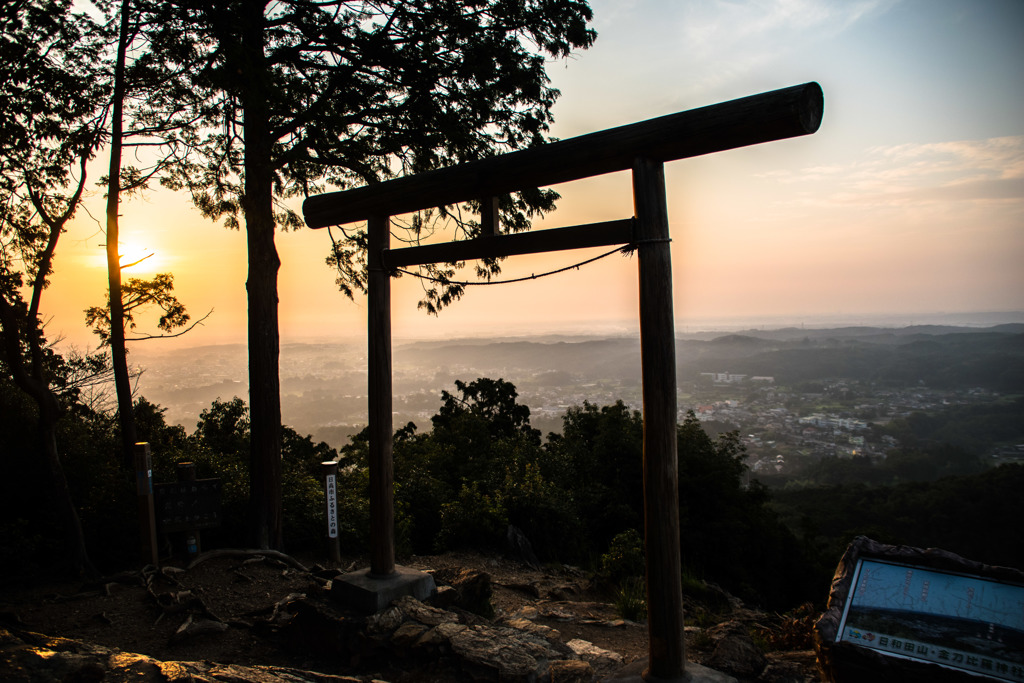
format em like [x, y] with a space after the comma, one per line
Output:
[118, 350]
[261, 287]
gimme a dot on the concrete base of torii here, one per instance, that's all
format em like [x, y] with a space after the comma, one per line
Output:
[695, 673]
[369, 594]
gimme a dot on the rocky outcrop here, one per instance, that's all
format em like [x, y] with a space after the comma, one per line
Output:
[485, 651]
[27, 657]
[425, 638]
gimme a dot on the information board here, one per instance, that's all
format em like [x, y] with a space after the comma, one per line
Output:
[959, 621]
[187, 505]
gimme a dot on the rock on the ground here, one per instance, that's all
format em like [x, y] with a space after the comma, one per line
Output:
[602, 660]
[495, 653]
[408, 608]
[473, 590]
[482, 650]
[27, 657]
[735, 652]
[571, 671]
[541, 630]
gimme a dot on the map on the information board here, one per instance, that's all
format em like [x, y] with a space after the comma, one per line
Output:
[954, 620]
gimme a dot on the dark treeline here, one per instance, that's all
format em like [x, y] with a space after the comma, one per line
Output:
[480, 467]
[976, 516]
[973, 428]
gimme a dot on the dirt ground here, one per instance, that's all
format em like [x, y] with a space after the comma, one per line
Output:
[144, 612]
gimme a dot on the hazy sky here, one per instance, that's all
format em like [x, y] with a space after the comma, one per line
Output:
[908, 200]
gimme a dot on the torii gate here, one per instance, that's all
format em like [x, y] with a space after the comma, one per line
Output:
[643, 147]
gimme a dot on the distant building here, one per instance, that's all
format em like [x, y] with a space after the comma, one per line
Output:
[834, 422]
[724, 377]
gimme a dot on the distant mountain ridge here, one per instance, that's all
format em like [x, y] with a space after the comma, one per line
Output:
[324, 384]
[791, 333]
[937, 355]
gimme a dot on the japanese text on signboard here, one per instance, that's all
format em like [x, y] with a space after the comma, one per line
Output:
[955, 620]
[332, 506]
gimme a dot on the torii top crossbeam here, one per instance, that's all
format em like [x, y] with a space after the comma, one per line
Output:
[642, 147]
[775, 115]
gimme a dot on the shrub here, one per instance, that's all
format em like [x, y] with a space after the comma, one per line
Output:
[625, 557]
[474, 518]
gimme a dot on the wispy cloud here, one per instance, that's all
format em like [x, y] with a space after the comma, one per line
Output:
[1001, 157]
[729, 21]
[737, 36]
[991, 169]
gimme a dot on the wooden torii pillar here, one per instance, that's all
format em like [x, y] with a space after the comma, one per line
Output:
[643, 148]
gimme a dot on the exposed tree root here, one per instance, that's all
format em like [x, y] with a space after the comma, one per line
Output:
[238, 552]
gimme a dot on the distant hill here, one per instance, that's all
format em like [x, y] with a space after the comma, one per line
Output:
[607, 358]
[939, 356]
[960, 359]
[856, 332]
[324, 385]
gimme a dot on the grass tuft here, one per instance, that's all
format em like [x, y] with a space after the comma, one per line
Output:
[631, 600]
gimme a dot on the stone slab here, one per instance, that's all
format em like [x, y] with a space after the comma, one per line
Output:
[369, 594]
[694, 673]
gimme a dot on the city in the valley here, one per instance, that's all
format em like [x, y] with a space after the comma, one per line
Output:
[796, 396]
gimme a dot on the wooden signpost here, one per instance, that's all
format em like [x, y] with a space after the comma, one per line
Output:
[329, 470]
[641, 147]
[147, 517]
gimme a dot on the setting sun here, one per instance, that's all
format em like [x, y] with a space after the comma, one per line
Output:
[136, 259]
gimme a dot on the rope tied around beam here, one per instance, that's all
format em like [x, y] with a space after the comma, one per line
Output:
[625, 249]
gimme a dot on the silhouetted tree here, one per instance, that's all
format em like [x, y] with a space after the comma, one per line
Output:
[729, 534]
[155, 102]
[135, 295]
[52, 100]
[115, 304]
[339, 93]
[599, 458]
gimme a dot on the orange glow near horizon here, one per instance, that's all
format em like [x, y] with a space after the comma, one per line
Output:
[886, 210]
